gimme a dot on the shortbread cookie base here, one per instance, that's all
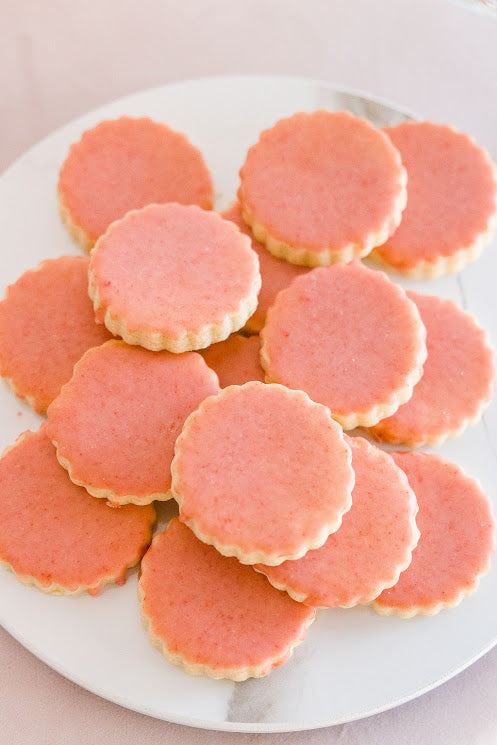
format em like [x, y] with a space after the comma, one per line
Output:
[56, 589]
[387, 403]
[441, 265]
[327, 256]
[252, 671]
[75, 231]
[297, 144]
[306, 582]
[226, 579]
[107, 494]
[473, 545]
[190, 340]
[445, 259]
[115, 422]
[57, 489]
[166, 252]
[338, 497]
[434, 415]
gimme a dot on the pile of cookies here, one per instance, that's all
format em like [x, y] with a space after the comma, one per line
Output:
[220, 358]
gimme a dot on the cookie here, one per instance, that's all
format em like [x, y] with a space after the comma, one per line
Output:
[350, 338]
[459, 378]
[210, 614]
[124, 164]
[373, 545]
[53, 534]
[173, 277]
[322, 187]
[276, 274]
[451, 212]
[458, 538]
[115, 423]
[262, 473]
[235, 360]
[46, 325]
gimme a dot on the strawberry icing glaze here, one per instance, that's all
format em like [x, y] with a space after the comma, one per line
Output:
[323, 180]
[125, 164]
[459, 378]
[211, 614]
[458, 537]
[53, 533]
[46, 325]
[235, 360]
[374, 543]
[452, 194]
[276, 273]
[349, 338]
[262, 473]
[116, 421]
[172, 269]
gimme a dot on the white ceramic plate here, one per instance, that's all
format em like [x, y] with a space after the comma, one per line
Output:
[353, 662]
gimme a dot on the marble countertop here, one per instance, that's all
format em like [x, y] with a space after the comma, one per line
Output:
[62, 59]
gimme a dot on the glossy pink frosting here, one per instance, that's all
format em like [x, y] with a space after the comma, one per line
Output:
[125, 164]
[458, 535]
[213, 611]
[451, 193]
[262, 468]
[459, 375]
[235, 360]
[117, 419]
[346, 335]
[372, 546]
[46, 325]
[276, 273]
[57, 534]
[172, 268]
[322, 180]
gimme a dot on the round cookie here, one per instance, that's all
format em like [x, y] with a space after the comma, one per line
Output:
[46, 325]
[451, 211]
[115, 423]
[53, 534]
[459, 378]
[173, 277]
[350, 338]
[235, 360]
[210, 614]
[373, 545]
[322, 187]
[125, 164]
[262, 473]
[276, 274]
[458, 537]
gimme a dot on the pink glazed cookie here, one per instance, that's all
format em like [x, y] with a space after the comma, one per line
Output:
[276, 273]
[451, 211]
[262, 473]
[350, 338]
[458, 538]
[46, 325]
[125, 164]
[53, 534]
[322, 187]
[173, 277]
[374, 543]
[115, 423]
[210, 614]
[235, 360]
[458, 381]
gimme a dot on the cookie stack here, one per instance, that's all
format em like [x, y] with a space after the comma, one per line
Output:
[280, 511]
